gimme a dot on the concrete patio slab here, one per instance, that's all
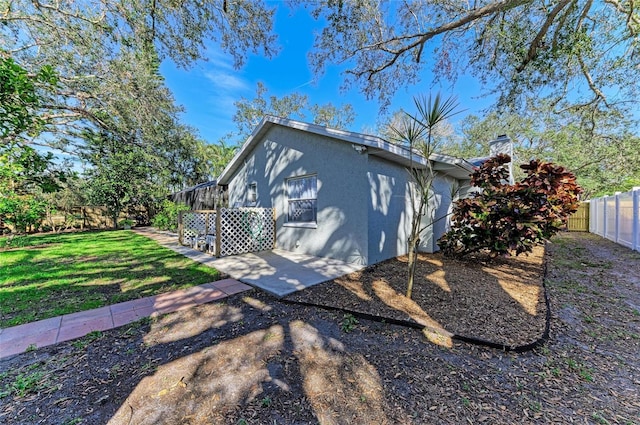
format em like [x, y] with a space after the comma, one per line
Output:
[278, 272]
[282, 272]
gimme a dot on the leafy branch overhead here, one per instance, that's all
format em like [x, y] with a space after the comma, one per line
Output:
[578, 53]
[515, 47]
[19, 99]
[107, 56]
[505, 219]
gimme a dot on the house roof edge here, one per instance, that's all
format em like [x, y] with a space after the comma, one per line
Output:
[394, 153]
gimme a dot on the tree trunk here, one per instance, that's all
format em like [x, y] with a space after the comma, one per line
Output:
[411, 265]
[410, 270]
[116, 214]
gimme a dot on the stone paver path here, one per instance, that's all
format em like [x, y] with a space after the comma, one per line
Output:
[19, 338]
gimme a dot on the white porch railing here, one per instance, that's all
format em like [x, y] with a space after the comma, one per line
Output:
[617, 218]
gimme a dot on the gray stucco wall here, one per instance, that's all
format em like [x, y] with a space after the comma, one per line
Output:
[445, 192]
[390, 210]
[341, 230]
[388, 203]
[363, 201]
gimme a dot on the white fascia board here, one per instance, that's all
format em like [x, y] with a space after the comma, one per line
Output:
[452, 160]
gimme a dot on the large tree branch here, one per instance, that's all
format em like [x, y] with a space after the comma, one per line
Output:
[583, 67]
[537, 41]
[559, 25]
[422, 38]
[60, 116]
[584, 14]
[474, 15]
[56, 8]
[5, 18]
[81, 113]
[631, 17]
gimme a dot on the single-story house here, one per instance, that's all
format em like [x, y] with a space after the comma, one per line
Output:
[336, 193]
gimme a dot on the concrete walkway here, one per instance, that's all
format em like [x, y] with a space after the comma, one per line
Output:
[278, 272]
[18, 339]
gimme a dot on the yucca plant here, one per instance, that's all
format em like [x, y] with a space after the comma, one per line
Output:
[419, 132]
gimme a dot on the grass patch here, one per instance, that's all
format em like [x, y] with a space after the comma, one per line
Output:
[582, 371]
[16, 241]
[30, 381]
[51, 275]
[84, 342]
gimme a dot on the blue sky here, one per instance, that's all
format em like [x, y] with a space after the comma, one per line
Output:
[208, 89]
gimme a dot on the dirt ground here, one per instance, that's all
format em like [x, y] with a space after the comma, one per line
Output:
[500, 300]
[257, 360]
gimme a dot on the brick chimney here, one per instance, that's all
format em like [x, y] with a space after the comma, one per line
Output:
[503, 144]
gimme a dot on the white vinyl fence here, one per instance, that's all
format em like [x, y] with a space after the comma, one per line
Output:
[617, 218]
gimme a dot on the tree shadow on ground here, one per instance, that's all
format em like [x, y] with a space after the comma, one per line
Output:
[295, 365]
[234, 356]
[501, 301]
[68, 280]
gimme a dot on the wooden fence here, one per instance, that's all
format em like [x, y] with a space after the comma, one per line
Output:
[81, 217]
[228, 231]
[91, 217]
[579, 221]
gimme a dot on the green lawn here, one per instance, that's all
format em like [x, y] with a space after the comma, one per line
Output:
[57, 274]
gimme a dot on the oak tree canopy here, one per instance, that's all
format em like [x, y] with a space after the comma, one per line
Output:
[575, 53]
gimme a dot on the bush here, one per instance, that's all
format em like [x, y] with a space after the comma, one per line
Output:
[167, 217]
[126, 223]
[508, 219]
[23, 212]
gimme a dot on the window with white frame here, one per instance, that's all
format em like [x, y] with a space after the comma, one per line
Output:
[302, 195]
